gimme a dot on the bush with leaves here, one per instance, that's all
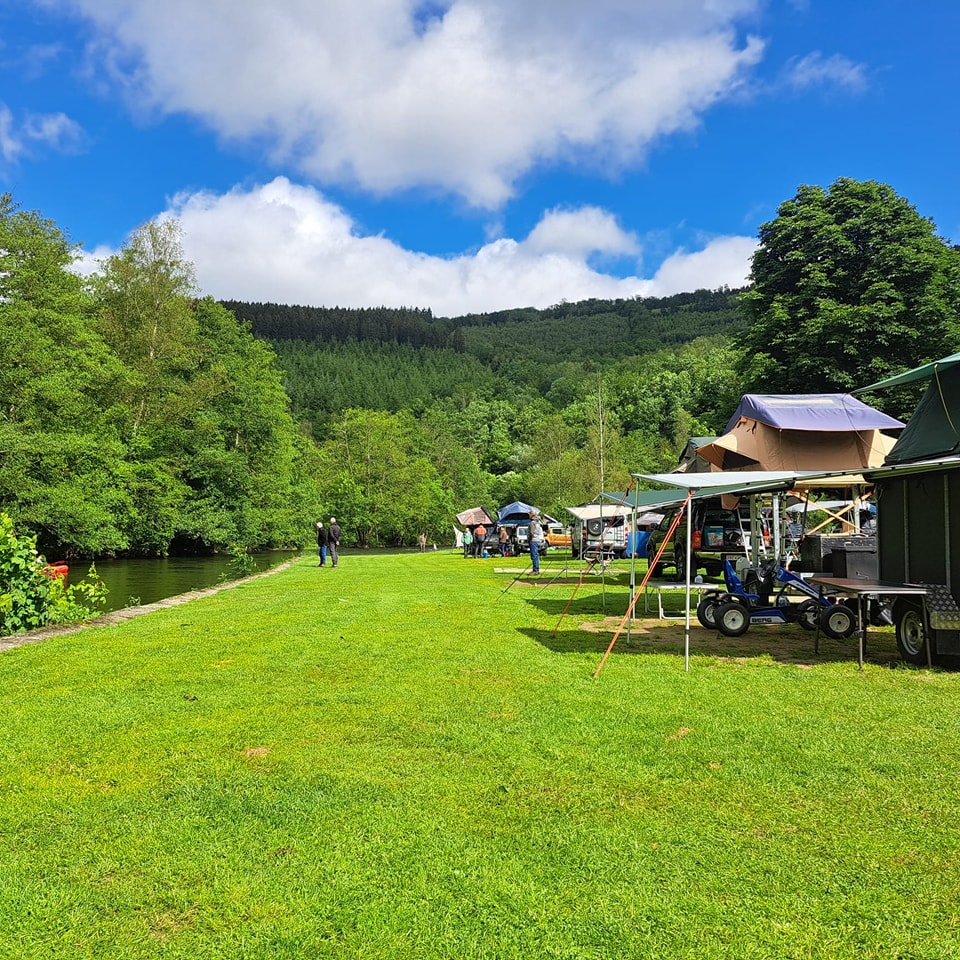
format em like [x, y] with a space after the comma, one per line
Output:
[30, 596]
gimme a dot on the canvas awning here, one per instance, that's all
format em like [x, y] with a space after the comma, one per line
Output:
[924, 372]
[934, 428]
[599, 511]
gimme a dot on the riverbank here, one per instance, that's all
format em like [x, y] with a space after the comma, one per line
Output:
[11, 641]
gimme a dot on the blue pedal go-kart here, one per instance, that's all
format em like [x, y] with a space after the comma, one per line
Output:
[764, 599]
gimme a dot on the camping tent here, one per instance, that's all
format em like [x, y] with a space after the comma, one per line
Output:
[514, 513]
[691, 460]
[473, 517]
[934, 428]
[804, 431]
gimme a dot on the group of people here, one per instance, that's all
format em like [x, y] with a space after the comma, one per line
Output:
[328, 542]
[474, 541]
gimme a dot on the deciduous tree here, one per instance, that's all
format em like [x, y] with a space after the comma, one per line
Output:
[850, 284]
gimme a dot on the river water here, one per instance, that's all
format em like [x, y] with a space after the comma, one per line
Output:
[142, 581]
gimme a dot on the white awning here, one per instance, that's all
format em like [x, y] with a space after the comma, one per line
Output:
[597, 511]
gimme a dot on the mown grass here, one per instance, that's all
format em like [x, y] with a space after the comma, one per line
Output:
[399, 759]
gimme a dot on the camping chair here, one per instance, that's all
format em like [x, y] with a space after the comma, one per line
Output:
[598, 560]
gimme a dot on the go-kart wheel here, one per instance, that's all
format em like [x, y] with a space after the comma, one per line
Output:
[707, 609]
[733, 618]
[807, 614]
[838, 621]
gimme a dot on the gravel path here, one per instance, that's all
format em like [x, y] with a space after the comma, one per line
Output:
[128, 613]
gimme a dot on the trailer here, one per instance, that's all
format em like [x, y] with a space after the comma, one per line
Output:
[918, 515]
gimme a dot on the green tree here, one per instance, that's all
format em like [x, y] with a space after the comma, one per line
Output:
[850, 284]
[376, 479]
[61, 458]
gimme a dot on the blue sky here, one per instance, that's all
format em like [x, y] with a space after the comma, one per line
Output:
[468, 155]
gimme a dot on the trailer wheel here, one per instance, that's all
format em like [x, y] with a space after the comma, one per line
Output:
[911, 632]
[733, 618]
[838, 621]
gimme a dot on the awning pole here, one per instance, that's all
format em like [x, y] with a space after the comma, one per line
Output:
[686, 627]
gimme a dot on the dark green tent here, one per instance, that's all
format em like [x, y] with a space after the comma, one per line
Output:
[934, 429]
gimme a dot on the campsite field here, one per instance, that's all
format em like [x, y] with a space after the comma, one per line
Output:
[401, 759]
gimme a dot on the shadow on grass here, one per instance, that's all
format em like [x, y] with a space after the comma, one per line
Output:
[786, 644]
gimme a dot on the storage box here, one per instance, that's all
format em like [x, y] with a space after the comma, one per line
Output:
[816, 552]
[856, 560]
[713, 536]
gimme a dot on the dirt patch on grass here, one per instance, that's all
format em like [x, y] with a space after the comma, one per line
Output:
[128, 613]
[787, 643]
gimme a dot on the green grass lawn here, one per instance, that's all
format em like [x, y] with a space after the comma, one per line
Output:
[400, 758]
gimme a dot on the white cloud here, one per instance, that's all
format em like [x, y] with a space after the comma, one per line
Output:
[286, 243]
[379, 93]
[53, 130]
[578, 232]
[724, 261]
[816, 70]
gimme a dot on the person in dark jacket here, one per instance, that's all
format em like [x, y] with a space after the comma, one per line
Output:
[323, 539]
[336, 535]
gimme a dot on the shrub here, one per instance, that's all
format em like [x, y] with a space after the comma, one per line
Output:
[29, 596]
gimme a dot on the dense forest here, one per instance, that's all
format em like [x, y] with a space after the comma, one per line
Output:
[139, 417]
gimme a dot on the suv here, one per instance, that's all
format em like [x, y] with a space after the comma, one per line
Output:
[605, 533]
[717, 535]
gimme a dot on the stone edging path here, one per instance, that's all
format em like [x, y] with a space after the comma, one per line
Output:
[128, 613]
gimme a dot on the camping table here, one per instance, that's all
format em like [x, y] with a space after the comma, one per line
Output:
[865, 590]
[660, 588]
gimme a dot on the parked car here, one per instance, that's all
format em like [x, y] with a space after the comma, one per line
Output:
[558, 535]
[717, 535]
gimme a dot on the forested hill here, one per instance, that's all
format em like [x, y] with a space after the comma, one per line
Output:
[589, 329]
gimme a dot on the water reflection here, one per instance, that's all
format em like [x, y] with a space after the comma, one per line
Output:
[142, 581]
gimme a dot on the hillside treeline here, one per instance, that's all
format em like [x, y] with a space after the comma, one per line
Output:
[141, 418]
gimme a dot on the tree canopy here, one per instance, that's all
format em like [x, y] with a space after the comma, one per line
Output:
[850, 284]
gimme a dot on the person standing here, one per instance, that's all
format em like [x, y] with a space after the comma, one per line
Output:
[323, 539]
[535, 533]
[479, 539]
[503, 540]
[335, 534]
[422, 540]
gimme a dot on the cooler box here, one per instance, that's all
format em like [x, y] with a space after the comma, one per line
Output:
[713, 536]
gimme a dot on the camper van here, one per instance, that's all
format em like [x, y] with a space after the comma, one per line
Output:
[607, 533]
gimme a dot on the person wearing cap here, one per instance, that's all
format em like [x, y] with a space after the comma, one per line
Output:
[535, 533]
[336, 535]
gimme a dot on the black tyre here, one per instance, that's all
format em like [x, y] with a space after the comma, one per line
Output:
[706, 611]
[680, 563]
[912, 636]
[838, 621]
[808, 613]
[733, 618]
